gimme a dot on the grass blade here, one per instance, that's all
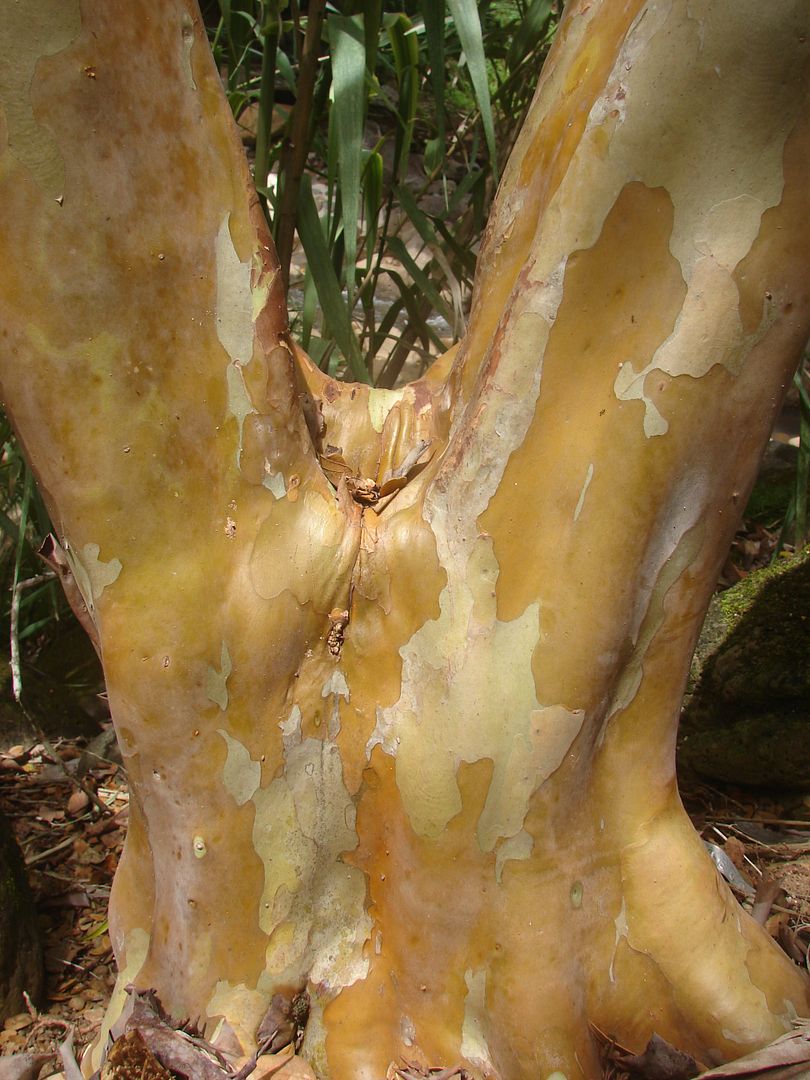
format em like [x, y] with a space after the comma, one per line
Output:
[348, 49]
[433, 14]
[336, 312]
[468, 26]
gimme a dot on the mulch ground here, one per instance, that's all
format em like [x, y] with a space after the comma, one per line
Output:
[71, 850]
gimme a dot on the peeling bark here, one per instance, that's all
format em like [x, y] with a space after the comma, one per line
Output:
[410, 746]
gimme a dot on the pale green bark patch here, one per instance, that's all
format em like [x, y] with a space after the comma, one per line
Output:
[476, 685]
[291, 729]
[92, 574]
[673, 562]
[37, 30]
[239, 403]
[380, 404]
[336, 684]
[234, 306]
[261, 290]
[718, 198]
[275, 483]
[240, 774]
[187, 31]
[473, 1043]
[585, 485]
[136, 948]
[216, 689]
[313, 905]
[518, 847]
[234, 322]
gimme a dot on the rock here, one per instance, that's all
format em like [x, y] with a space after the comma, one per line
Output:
[21, 966]
[746, 716]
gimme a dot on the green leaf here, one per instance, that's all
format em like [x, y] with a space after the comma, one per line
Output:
[336, 312]
[530, 32]
[348, 48]
[433, 13]
[373, 192]
[372, 18]
[397, 248]
[405, 49]
[468, 26]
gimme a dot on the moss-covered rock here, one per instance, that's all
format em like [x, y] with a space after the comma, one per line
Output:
[21, 966]
[746, 716]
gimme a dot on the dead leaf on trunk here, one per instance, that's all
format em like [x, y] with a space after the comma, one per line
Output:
[129, 1057]
[284, 1021]
[412, 1071]
[660, 1061]
[189, 1057]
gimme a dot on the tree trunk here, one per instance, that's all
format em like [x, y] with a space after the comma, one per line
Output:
[409, 743]
[21, 964]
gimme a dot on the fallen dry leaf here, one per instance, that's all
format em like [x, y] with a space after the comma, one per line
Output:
[77, 803]
[660, 1061]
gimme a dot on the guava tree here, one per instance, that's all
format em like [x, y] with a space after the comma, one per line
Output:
[396, 674]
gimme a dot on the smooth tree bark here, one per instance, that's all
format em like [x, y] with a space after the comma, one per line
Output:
[396, 674]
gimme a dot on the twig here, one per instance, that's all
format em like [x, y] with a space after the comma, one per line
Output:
[51, 851]
[296, 145]
[54, 755]
[16, 592]
[16, 685]
[250, 1065]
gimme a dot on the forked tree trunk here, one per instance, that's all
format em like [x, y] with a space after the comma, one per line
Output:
[452, 812]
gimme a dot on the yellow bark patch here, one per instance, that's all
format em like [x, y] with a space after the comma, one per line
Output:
[240, 1007]
[292, 550]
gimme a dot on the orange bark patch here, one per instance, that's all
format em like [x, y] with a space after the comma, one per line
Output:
[773, 275]
[431, 924]
[620, 301]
